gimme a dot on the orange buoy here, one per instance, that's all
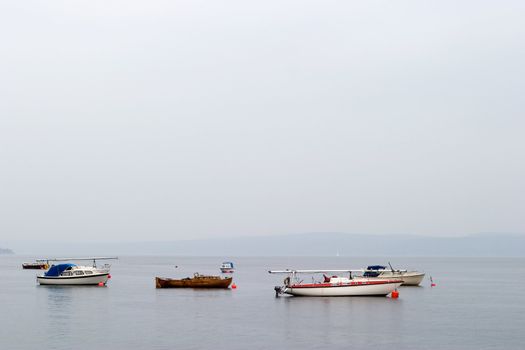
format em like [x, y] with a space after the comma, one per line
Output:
[234, 286]
[395, 294]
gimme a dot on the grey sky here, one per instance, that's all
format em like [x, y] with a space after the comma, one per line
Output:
[186, 119]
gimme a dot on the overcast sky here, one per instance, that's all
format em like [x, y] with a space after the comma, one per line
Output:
[154, 120]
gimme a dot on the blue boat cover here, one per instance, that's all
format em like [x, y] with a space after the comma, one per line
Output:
[56, 270]
[372, 273]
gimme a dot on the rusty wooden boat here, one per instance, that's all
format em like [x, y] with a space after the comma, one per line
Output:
[197, 281]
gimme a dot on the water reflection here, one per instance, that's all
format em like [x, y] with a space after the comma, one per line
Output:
[59, 300]
[307, 318]
[66, 308]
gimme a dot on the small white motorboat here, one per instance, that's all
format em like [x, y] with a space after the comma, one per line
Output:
[335, 285]
[69, 274]
[409, 278]
[227, 267]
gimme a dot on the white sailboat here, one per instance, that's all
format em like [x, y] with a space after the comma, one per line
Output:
[71, 274]
[334, 285]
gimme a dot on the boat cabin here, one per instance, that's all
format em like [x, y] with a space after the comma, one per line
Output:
[338, 280]
[227, 265]
[69, 270]
[374, 270]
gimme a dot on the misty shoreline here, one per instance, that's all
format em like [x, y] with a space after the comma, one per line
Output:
[308, 244]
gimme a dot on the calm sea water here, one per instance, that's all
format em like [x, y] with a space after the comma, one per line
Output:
[477, 304]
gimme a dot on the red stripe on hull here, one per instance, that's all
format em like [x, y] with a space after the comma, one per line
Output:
[351, 284]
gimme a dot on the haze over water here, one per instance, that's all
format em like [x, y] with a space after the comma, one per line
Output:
[477, 304]
[170, 122]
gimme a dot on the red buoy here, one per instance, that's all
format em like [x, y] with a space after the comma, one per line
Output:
[432, 284]
[109, 276]
[101, 284]
[234, 286]
[395, 294]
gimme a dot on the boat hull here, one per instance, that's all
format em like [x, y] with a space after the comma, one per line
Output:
[34, 266]
[201, 282]
[74, 280]
[373, 288]
[409, 279]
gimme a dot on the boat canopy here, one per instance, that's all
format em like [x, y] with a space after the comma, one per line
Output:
[56, 270]
[371, 270]
[227, 263]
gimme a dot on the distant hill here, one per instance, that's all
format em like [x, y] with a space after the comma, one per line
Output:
[331, 244]
[4, 251]
[308, 244]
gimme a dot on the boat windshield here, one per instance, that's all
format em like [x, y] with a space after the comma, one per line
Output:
[374, 270]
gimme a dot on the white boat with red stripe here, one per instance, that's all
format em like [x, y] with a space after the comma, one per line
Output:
[335, 285]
